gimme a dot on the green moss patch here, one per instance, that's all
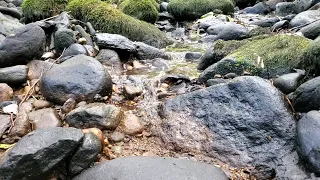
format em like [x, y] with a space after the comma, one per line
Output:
[180, 47]
[193, 9]
[310, 59]
[108, 19]
[274, 55]
[145, 10]
[34, 10]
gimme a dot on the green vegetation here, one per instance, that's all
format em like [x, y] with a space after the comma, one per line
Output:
[310, 59]
[274, 55]
[34, 10]
[193, 9]
[108, 19]
[145, 10]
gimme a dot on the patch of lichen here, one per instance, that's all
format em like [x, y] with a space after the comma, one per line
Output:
[34, 10]
[144, 10]
[181, 47]
[108, 19]
[279, 53]
[194, 9]
[310, 59]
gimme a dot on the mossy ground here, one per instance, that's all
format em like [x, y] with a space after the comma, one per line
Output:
[277, 54]
[310, 59]
[108, 19]
[34, 10]
[145, 10]
[193, 9]
[181, 47]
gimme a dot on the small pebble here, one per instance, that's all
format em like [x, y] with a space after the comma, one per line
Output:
[116, 136]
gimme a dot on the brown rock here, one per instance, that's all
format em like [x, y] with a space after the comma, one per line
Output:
[95, 131]
[130, 92]
[4, 123]
[6, 92]
[69, 105]
[21, 123]
[37, 67]
[40, 104]
[44, 118]
[131, 125]
[116, 136]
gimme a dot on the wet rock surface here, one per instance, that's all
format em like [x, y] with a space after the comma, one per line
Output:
[154, 168]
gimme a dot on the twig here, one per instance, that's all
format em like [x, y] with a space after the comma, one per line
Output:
[293, 110]
[52, 17]
[12, 122]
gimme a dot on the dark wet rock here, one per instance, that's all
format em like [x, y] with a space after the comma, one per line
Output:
[63, 38]
[8, 24]
[5, 123]
[217, 28]
[307, 96]
[304, 5]
[144, 51]
[308, 140]
[311, 31]
[40, 104]
[130, 92]
[27, 44]
[263, 172]
[116, 136]
[156, 168]
[165, 16]
[233, 32]
[165, 25]
[172, 78]
[245, 3]
[286, 8]
[288, 83]
[85, 155]
[266, 22]
[38, 154]
[163, 6]
[212, 82]
[14, 75]
[259, 8]
[6, 92]
[131, 125]
[95, 115]
[217, 52]
[37, 67]
[74, 49]
[80, 77]
[21, 123]
[284, 24]
[109, 58]
[43, 118]
[304, 18]
[227, 127]
[114, 41]
[193, 55]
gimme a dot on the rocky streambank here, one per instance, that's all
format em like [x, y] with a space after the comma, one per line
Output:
[193, 89]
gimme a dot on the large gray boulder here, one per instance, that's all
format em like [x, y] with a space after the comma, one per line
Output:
[37, 154]
[305, 17]
[307, 96]
[243, 123]
[80, 78]
[28, 43]
[308, 140]
[8, 25]
[155, 168]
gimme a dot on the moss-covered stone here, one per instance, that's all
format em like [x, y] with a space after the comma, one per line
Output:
[265, 56]
[181, 47]
[274, 55]
[193, 9]
[145, 10]
[108, 19]
[310, 59]
[34, 10]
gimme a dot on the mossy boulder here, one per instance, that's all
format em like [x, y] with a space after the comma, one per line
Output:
[311, 58]
[108, 19]
[264, 56]
[34, 10]
[194, 9]
[145, 10]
